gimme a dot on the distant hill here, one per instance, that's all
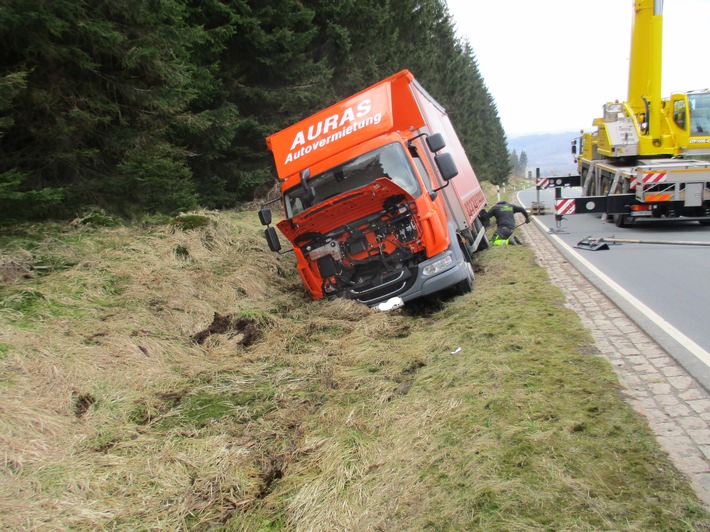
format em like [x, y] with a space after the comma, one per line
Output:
[550, 152]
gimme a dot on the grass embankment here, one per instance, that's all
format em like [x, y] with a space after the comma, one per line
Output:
[159, 377]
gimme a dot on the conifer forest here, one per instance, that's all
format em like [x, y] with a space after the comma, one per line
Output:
[162, 106]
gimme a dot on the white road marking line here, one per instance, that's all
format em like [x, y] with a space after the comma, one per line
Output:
[674, 333]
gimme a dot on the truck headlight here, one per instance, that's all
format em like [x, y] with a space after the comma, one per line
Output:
[438, 266]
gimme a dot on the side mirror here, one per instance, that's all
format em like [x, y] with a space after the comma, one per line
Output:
[447, 166]
[574, 147]
[436, 142]
[265, 216]
[272, 239]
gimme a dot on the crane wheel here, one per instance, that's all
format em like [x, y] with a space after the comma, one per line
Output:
[621, 220]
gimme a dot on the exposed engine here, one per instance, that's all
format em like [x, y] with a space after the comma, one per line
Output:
[370, 258]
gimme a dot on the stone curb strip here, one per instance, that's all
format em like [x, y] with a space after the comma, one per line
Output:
[676, 407]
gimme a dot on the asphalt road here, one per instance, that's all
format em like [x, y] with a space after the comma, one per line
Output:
[665, 288]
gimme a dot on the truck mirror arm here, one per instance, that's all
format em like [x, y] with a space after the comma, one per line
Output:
[434, 192]
[435, 142]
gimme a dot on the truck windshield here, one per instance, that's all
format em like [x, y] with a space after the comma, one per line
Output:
[389, 161]
[699, 114]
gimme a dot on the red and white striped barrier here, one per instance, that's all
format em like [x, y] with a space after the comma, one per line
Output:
[648, 178]
[542, 182]
[653, 177]
[565, 206]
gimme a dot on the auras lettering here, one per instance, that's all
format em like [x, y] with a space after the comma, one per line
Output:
[340, 133]
[332, 123]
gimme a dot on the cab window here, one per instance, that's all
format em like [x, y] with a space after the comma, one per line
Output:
[389, 161]
[699, 114]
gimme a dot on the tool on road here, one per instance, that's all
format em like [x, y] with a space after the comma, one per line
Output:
[596, 244]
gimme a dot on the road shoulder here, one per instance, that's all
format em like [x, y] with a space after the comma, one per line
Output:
[675, 404]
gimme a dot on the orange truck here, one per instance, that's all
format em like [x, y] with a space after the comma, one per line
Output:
[381, 203]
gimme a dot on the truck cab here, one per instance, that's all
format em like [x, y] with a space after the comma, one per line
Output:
[379, 200]
[690, 121]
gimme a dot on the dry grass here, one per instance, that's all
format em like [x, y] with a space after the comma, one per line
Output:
[288, 414]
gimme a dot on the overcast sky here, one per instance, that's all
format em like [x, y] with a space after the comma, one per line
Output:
[550, 65]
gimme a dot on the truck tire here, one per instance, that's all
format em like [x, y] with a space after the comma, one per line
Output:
[588, 188]
[606, 186]
[621, 220]
[483, 244]
[466, 286]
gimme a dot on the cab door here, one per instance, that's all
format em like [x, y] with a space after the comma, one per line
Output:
[680, 119]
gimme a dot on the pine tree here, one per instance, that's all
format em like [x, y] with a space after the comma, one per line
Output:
[158, 106]
[259, 75]
[514, 163]
[104, 85]
[369, 40]
[523, 164]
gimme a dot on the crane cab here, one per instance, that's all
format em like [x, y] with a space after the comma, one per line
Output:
[690, 121]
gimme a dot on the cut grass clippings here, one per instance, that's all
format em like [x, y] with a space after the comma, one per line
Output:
[169, 378]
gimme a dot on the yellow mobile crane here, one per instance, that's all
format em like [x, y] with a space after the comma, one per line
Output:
[644, 160]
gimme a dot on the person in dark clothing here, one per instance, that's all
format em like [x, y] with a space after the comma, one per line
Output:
[504, 213]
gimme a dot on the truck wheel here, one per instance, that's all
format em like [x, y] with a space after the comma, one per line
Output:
[484, 244]
[583, 180]
[466, 286]
[606, 186]
[621, 220]
[473, 234]
[589, 184]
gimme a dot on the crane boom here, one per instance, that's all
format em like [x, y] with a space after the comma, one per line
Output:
[638, 164]
[645, 65]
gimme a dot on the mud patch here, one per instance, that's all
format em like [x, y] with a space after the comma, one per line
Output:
[82, 403]
[272, 470]
[412, 368]
[406, 378]
[227, 324]
[402, 332]
[424, 307]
